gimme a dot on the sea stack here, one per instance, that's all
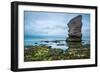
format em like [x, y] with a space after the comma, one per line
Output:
[75, 26]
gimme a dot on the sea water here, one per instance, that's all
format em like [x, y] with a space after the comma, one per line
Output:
[58, 43]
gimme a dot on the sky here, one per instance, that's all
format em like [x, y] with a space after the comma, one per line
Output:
[52, 24]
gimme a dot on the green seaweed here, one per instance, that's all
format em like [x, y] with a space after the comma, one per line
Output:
[44, 53]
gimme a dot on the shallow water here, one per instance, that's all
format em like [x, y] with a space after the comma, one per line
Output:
[59, 44]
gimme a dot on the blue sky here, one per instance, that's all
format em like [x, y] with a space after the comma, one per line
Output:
[51, 24]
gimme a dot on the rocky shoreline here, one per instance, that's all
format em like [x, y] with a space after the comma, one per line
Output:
[45, 53]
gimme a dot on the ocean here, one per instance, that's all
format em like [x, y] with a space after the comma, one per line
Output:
[53, 42]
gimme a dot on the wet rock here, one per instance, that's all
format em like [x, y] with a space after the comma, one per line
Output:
[55, 52]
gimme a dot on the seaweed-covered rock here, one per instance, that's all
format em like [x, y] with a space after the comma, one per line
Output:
[55, 52]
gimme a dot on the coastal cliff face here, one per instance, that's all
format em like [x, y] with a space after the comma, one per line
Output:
[75, 26]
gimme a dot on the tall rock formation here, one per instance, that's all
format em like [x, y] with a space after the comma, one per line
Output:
[75, 26]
